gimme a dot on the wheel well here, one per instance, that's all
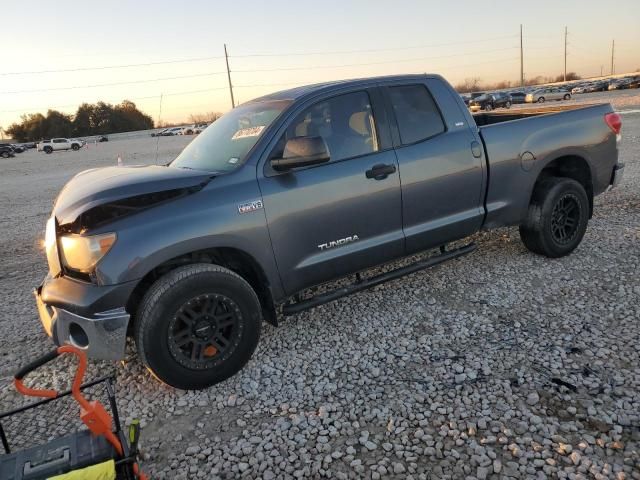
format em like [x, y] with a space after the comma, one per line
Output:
[235, 260]
[573, 167]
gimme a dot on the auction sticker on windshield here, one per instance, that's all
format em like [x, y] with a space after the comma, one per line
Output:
[248, 132]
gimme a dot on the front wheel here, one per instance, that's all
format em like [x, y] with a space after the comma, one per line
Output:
[507, 105]
[75, 147]
[197, 326]
[4, 154]
[557, 218]
[488, 107]
[541, 100]
[48, 150]
[567, 96]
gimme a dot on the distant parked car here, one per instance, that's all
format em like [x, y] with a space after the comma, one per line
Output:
[518, 97]
[12, 147]
[159, 134]
[490, 101]
[48, 146]
[171, 131]
[544, 94]
[6, 152]
[188, 130]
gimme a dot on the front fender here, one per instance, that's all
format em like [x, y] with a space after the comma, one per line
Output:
[205, 220]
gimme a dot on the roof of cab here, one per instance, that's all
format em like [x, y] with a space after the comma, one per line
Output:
[299, 92]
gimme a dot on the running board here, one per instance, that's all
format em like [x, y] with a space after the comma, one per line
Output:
[293, 308]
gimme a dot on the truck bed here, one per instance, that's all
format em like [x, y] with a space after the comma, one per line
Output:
[498, 116]
[519, 143]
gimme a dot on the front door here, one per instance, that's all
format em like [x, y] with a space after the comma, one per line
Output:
[339, 217]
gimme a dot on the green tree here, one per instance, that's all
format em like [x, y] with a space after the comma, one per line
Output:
[90, 119]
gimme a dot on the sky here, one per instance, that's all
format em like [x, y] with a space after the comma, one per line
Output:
[279, 44]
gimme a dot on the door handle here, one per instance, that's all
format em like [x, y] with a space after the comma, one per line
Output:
[381, 171]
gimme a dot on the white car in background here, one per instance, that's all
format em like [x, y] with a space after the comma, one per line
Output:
[55, 144]
[193, 129]
[543, 94]
[172, 131]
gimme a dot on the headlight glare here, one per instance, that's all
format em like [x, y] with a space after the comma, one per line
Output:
[83, 253]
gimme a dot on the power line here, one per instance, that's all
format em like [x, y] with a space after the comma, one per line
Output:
[340, 52]
[319, 67]
[279, 84]
[106, 67]
[130, 82]
[132, 99]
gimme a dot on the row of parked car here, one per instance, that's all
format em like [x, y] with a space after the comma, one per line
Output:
[606, 85]
[488, 101]
[10, 149]
[491, 100]
[184, 130]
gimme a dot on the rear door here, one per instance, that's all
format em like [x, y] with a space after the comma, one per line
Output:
[441, 164]
[336, 218]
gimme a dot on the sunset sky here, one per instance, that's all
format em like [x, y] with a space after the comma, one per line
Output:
[277, 44]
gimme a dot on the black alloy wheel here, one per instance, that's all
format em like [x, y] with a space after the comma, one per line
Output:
[205, 331]
[557, 218]
[565, 219]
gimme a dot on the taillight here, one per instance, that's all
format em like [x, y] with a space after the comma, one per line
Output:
[614, 121]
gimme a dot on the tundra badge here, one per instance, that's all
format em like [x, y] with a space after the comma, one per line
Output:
[337, 243]
[250, 206]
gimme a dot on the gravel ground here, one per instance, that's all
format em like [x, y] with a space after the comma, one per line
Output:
[501, 364]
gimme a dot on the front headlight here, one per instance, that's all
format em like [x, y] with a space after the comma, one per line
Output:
[82, 253]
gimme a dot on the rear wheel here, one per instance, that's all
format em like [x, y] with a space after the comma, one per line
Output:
[488, 107]
[541, 100]
[567, 96]
[75, 147]
[507, 105]
[557, 218]
[48, 149]
[197, 326]
[4, 154]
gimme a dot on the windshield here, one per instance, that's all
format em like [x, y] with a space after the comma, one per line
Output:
[224, 145]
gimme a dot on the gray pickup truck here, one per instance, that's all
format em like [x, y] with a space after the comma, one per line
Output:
[298, 188]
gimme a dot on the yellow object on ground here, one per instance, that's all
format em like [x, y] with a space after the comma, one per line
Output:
[101, 471]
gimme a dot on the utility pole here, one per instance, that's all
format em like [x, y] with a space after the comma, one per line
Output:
[565, 53]
[600, 70]
[613, 47]
[521, 60]
[226, 57]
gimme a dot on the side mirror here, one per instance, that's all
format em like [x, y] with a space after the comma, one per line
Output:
[302, 152]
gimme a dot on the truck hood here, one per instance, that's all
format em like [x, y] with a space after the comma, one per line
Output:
[100, 186]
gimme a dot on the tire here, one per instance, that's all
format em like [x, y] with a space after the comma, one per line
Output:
[4, 154]
[173, 325]
[567, 97]
[507, 105]
[48, 150]
[541, 100]
[488, 107]
[75, 147]
[557, 218]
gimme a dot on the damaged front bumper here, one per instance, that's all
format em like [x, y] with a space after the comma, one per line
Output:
[87, 316]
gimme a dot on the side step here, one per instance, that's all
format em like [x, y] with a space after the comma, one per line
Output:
[293, 308]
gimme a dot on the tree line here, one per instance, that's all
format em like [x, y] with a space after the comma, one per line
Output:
[90, 119]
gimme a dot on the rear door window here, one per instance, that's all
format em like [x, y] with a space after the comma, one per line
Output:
[416, 112]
